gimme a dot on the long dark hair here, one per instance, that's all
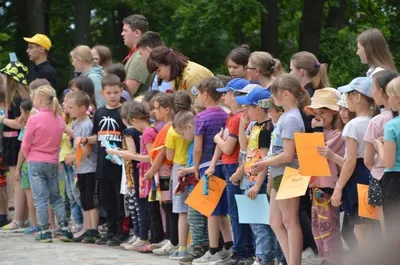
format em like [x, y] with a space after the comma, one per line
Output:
[85, 84]
[163, 55]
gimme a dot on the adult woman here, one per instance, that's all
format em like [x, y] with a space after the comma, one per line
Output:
[101, 55]
[82, 60]
[311, 73]
[237, 61]
[263, 68]
[373, 50]
[171, 65]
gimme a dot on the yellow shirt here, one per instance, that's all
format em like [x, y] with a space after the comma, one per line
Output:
[177, 143]
[192, 74]
[66, 146]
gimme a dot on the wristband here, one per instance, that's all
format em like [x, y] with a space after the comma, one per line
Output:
[1, 122]
[86, 140]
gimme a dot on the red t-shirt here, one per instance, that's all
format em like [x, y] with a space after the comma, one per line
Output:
[232, 130]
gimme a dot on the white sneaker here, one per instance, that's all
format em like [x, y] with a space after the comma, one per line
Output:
[208, 259]
[167, 249]
[129, 242]
[133, 245]
[225, 254]
[308, 257]
[159, 245]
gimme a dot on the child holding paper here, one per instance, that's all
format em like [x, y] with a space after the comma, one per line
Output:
[255, 104]
[108, 126]
[325, 217]
[354, 171]
[77, 106]
[207, 124]
[284, 215]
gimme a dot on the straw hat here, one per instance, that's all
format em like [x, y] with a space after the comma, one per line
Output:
[324, 98]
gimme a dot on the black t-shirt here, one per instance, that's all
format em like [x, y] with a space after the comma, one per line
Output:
[264, 140]
[310, 89]
[43, 70]
[13, 112]
[108, 125]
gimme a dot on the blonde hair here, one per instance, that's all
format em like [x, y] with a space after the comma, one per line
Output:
[290, 83]
[15, 89]
[83, 53]
[316, 70]
[48, 93]
[393, 88]
[266, 64]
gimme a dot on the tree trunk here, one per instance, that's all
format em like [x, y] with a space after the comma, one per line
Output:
[82, 22]
[310, 25]
[269, 27]
[337, 15]
[35, 16]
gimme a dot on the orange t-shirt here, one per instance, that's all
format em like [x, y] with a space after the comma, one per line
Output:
[159, 143]
[232, 130]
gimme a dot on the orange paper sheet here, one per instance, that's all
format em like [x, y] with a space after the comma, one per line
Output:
[78, 155]
[206, 204]
[293, 184]
[311, 163]
[364, 209]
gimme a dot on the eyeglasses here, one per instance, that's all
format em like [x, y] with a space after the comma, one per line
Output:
[249, 68]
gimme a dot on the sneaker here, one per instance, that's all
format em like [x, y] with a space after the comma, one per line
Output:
[308, 257]
[44, 237]
[225, 254]
[145, 249]
[167, 249]
[103, 228]
[182, 256]
[91, 236]
[236, 260]
[197, 251]
[208, 259]
[115, 241]
[32, 230]
[130, 241]
[159, 244]
[76, 228]
[136, 245]
[104, 239]
[66, 236]
[15, 226]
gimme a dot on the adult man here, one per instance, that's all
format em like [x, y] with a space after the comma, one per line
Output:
[38, 50]
[145, 45]
[138, 79]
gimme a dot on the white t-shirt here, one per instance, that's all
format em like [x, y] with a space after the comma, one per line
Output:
[373, 70]
[356, 129]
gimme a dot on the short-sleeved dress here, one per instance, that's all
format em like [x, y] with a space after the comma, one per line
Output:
[11, 144]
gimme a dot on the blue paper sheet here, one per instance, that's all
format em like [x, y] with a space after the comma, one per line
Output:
[253, 211]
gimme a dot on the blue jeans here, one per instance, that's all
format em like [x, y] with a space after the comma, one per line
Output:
[72, 194]
[242, 233]
[44, 185]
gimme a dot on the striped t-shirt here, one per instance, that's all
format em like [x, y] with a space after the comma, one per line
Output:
[208, 123]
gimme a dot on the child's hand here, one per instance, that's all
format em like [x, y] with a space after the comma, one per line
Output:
[210, 171]
[219, 135]
[258, 167]
[378, 143]
[70, 159]
[325, 152]
[112, 151]
[196, 173]
[235, 179]
[148, 176]
[182, 172]
[80, 140]
[336, 198]
[253, 192]
[317, 123]
[244, 120]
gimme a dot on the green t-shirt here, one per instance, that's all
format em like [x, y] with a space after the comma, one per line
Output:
[136, 70]
[392, 134]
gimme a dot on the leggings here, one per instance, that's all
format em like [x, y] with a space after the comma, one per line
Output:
[172, 223]
[156, 226]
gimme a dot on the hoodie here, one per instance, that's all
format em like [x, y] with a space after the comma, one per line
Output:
[96, 75]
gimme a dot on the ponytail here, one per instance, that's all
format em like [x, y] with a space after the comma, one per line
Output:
[47, 92]
[321, 80]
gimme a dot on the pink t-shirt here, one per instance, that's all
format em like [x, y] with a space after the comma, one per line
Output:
[42, 138]
[374, 131]
[148, 137]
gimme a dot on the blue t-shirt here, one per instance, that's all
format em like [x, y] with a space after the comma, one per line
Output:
[190, 155]
[392, 133]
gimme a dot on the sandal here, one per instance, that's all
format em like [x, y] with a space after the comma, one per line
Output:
[14, 225]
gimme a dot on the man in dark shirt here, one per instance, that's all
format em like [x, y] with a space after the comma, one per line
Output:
[38, 50]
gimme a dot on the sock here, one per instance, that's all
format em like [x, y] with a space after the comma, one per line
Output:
[228, 245]
[182, 248]
[213, 251]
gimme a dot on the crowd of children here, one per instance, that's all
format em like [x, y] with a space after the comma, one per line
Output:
[142, 158]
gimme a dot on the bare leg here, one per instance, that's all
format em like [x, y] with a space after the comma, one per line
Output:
[94, 218]
[3, 201]
[381, 219]
[225, 226]
[213, 231]
[183, 229]
[31, 207]
[363, 234]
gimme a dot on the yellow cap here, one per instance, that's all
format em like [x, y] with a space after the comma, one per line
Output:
[41, 40]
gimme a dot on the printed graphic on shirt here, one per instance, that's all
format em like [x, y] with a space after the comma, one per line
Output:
[253, 153]
[109, 130]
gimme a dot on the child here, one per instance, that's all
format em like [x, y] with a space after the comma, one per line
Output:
[108, 126]
[228, 144]
[16, 92]
[22, 171]
[237, 60]
[255, 103]
[177, 151]
[208, 123]
[77, 105]
[184, 124]
[374, 131]
[136, 116]
[41, 152]
[327, 237]
[284, 216]
[160, 170]
[85, 84]
[390, 155]
[354, 171]
[3, 173]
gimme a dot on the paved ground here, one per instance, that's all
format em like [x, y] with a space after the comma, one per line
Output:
[18, 249]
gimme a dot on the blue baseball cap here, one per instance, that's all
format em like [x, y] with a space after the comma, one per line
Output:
[235, 84]
[362, 85]
[256, 96]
